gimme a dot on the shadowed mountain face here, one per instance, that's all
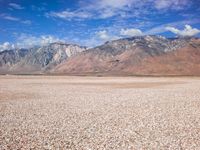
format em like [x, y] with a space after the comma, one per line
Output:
[11, 57]
[37, 59]
[148, 55]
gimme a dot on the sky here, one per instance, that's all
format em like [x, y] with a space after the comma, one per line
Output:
[25, 23]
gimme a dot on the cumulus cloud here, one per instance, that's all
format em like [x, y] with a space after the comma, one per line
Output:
[94, 39]
[26, 41]
[162, 28]
[187, 31]
[103, 35]
[6, 46]
[131, 32]
[48, 39]
[15, 6]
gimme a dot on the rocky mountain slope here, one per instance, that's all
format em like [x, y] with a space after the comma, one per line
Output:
[37, 59]
[147, 55]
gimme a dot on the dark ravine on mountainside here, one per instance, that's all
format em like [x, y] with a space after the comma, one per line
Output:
[145, 55]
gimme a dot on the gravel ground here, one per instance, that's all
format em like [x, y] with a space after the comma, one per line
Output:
[57, 112]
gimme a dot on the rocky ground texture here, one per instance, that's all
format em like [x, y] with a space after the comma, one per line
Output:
[57, 112]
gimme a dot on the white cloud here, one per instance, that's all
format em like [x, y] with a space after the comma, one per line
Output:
[99, 38]
[48, 39]
[6, 46]
[93, 9]
[160, 4]
[107, 13]
[113, 4]
[26, 41]
[15, 6]
[68, 15]
[162, 28]
[131, 32]
[171, 4]
[187, 31]
[110, 8]
[12, 18]
[103, 9]
[103, 35]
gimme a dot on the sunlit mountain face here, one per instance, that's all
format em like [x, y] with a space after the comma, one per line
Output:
[24, 24]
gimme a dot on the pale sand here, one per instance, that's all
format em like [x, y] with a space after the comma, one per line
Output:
[57, 112]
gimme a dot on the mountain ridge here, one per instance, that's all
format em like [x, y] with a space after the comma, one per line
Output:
[130, 56]
[39, 58]
[143, 55]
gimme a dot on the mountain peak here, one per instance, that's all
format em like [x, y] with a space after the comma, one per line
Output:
[37, 58]
[138, 55]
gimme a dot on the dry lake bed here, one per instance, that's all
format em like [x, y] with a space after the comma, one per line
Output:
[89, 113]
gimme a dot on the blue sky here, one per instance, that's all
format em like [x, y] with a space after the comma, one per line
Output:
[24, 23]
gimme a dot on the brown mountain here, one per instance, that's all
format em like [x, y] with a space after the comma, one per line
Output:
[148, 55]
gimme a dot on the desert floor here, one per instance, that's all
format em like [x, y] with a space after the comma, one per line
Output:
[58, 112]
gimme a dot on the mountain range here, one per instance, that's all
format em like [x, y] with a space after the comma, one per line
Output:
[38, 59]
[143, 55]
